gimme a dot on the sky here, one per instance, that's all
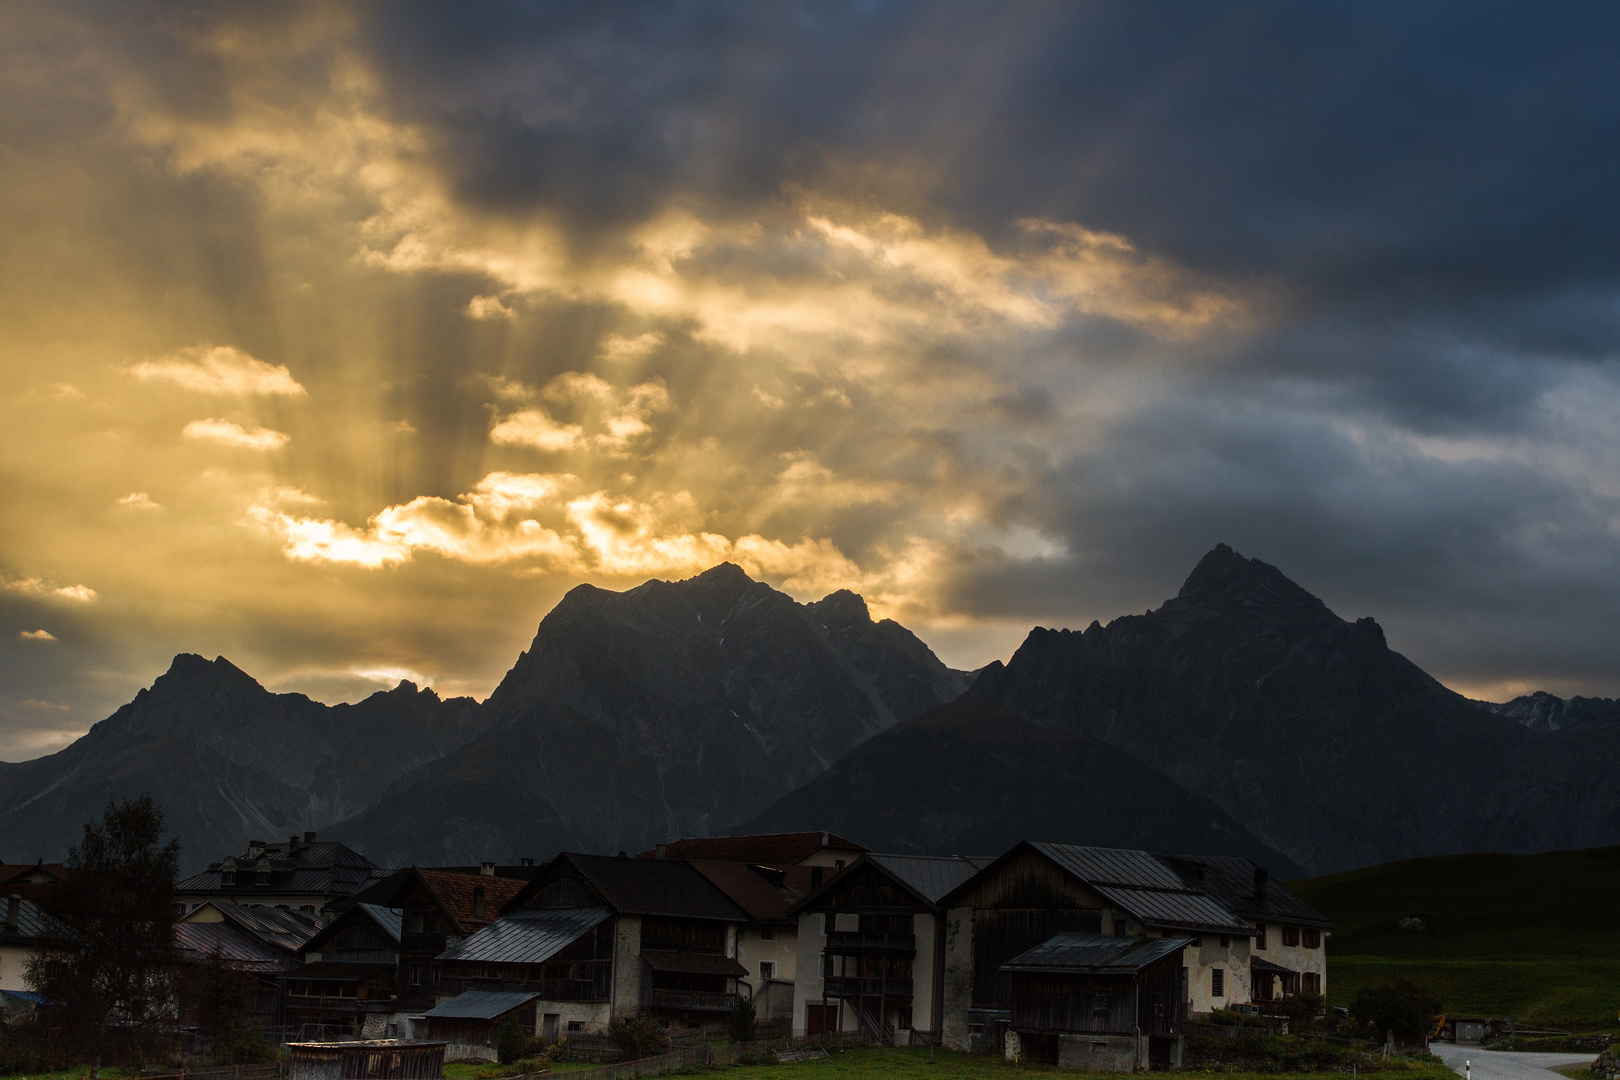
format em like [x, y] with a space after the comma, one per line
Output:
[343, 339]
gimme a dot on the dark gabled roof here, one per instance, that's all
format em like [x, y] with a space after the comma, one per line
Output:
[1137, 883]
[15, 873]
[769, 849]
[480, 1005]
[318, 866]
[388, 920]
[1093, 954]
[754, 890]
[1230, 879]
[278, 927]
[932, 876]
[236, 948]
[35, 926]
[657, 887]
[336, 971]
[527, 936]
[925, 877]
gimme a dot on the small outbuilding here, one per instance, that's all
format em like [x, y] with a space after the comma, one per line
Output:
[384, 1059]
[470, 1023]
[1102, 1004]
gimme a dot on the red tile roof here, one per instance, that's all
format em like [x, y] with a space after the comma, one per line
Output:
[770, 849]
[455, 894]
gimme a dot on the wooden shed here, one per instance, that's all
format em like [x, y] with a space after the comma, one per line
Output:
[388, 1059]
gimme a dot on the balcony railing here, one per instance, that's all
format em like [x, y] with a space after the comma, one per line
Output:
[688, 999]
[839, 941]
[848, 986]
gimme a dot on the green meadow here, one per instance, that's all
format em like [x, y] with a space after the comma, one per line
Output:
[1532, 936]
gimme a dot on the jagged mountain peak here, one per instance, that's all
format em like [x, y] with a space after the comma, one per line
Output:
[189, 672]
[1224, 580]
[842, 608]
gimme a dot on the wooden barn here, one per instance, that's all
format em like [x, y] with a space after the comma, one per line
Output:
[1102, 1004]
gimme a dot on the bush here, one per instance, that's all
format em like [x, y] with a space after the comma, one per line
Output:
[1303, 1009]
[744, 1022]
[1402, 1006]
[512, 1044]
[637, 1037]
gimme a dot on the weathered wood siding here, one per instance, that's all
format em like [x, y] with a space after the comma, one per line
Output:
[1100, 1005]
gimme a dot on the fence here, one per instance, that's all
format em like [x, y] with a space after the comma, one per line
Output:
[271, 1071]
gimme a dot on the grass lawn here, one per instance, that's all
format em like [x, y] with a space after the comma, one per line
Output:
[917, 1063]
[79, 1073]
[1524, 935]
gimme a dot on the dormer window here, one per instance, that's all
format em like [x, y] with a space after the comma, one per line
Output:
[263, 878]
[227, 877]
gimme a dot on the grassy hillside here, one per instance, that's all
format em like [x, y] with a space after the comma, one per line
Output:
[1535, 936]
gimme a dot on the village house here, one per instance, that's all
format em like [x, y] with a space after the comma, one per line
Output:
[202, 944]
[869, 940]
[597, 937]
[282, 931]
[1288, 954]
[439, 907]
[1037, 890]
[345, 983]
[26, 931]
[304, 874]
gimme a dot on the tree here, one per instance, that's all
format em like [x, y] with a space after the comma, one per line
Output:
[511, 1045]
[218, 997]
[1302, 1009]
[1402, 1006]
[120, 975]
[744, 1021]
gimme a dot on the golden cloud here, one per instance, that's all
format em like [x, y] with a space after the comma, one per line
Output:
[219, 369]
[81, 594]
[227, 433]
[36, 635]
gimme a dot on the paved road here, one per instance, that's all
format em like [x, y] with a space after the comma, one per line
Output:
[1505, 1064]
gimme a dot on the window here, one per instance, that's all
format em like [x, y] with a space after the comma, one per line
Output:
[1259, 935]
[838, 864]
[1313, 938]
[1290, 935]
[436, 974]
[1226, 941]
[902, 1019]
[1159, 1006]
[1099, 1004]
[227, 877]
[1217, 983]
[767, 933]
[821, 965]
[416, 974]
[575, 1026]
[1312, 982]
[767, 970]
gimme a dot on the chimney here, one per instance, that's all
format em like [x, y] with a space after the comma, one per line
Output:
[525, 862]
[661, 851]
[292, 844]
[309, 837]
[487, 869]
[823, 839]
[1262, 885]
[13, 913]
[815, 878]
[255, 848]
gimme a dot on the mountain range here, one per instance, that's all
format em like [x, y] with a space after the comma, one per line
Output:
[1241, 716]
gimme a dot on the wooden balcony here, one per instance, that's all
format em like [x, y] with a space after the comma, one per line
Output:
[687, 999]
[893, 988]
[862, 941]
[548, 989]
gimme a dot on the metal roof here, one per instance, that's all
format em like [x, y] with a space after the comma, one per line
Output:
[280, 927]
[480, 1004]
[1260, 963]
[34, 925]
[1230, 878]
[236, 948]
[1144, 888]
[527, 936]
[1093, 954]
[932, 876]
[389, 919]
[693, 963]
[658, 887]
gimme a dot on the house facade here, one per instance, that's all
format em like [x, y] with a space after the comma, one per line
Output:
[27, 930]
[869, 943]
[1039, 890]
[595, 938]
